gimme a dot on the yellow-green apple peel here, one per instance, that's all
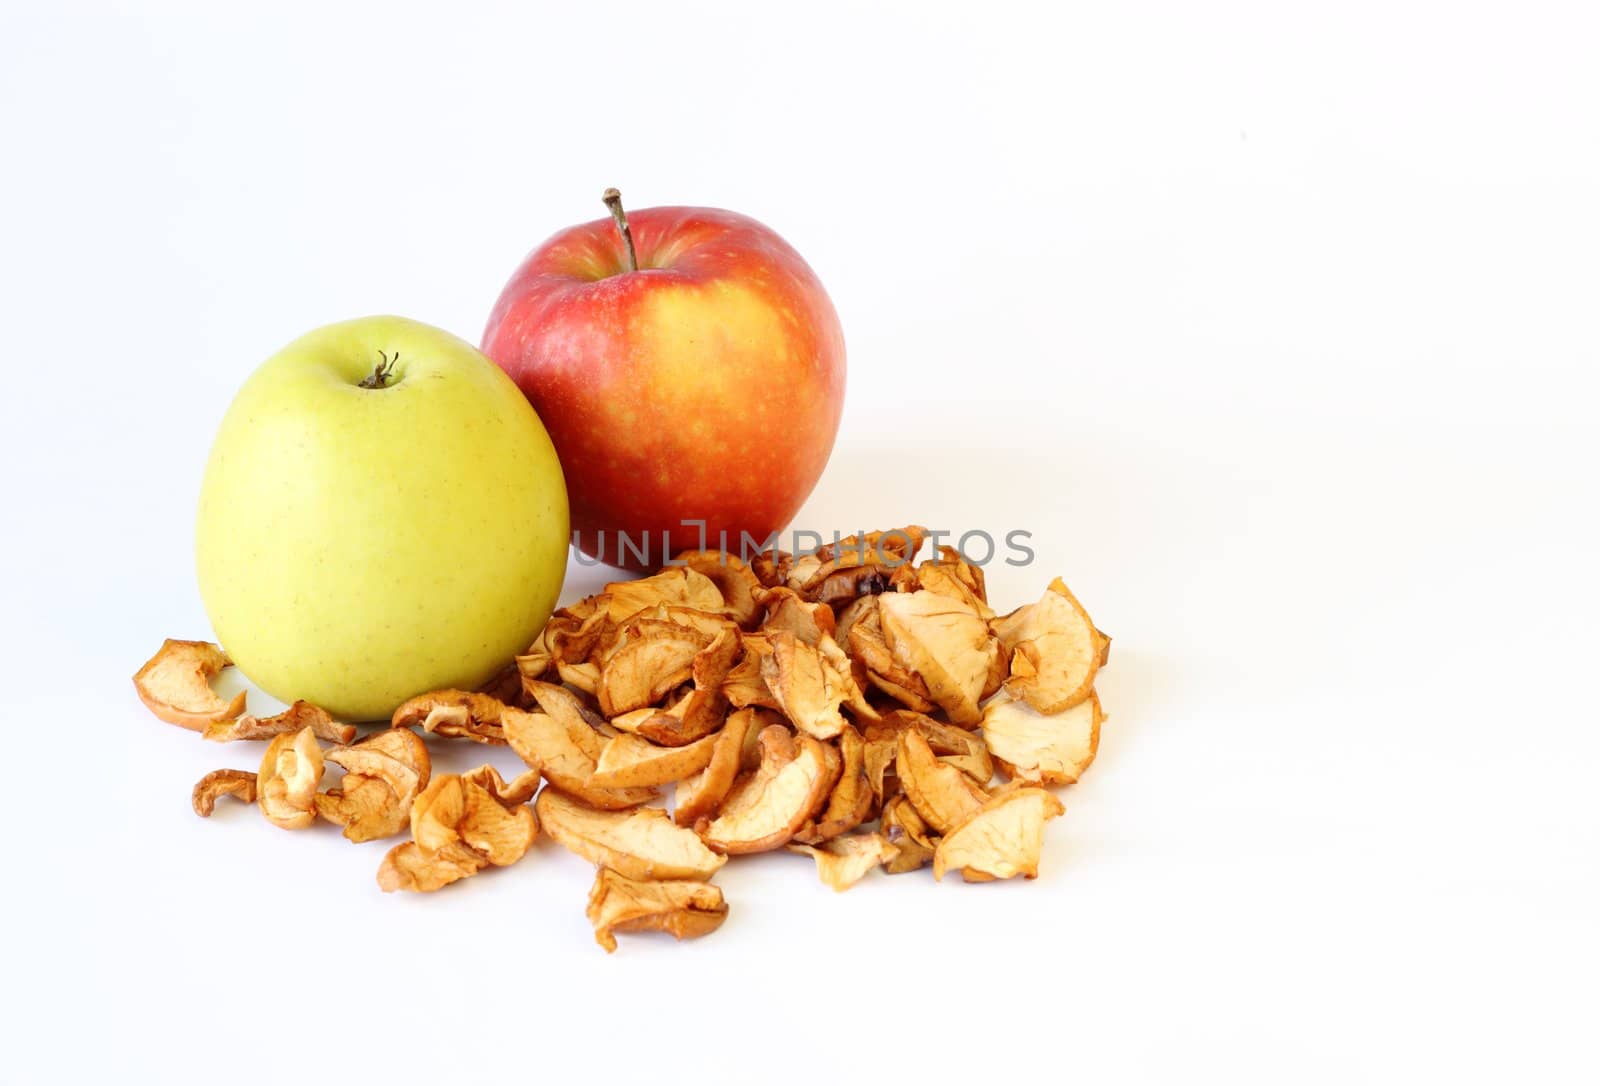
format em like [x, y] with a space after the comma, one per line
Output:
[382, 514]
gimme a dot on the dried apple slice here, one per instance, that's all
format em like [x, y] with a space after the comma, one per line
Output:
[844, 861]
[458, 827]
[944, 796]
[519, 789]
[653, 659]
[562, 745]
[1054, 650]
[744, 686]
[867, 648]
[1001, 841]
[630, 761]
[302, 714]
[955, 746]
[733, 578]
[286, 783]
[455, 714]
[786, 610]
[697, 797]
[850, 802]
[905, 829]
[383, 775]
[238, 783]
[679, 585]
[887, 548]
[945, 643]
[175, 685]
[704, 709]
[810, 684]
[683, 908]
[775, 802]
[641, 844]
[1042, 749]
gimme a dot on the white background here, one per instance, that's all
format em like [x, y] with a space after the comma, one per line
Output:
[1276, 327]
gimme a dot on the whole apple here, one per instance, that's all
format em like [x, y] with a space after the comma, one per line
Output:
[382, 514]
[690, 367]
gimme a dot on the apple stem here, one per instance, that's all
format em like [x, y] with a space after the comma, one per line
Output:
[379, 377]
[613, 200]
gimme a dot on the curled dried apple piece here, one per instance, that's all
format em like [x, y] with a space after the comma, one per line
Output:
[302, 714]
[683, 908]
[1002, 840]
[518, 789]
[383, 775]
[945, 643]
[562, 744]
[785, 609]
[744, 687]
[641, 844]
[944, 796]
[679, 585]
[286, 784]
[1054, 650]
[653, 659]
[175, 685]
[955, 746]
[238, 783]
[810, 682]
[890, 548]
[458, 827]
[705, 707]
[844, 861]
[455, 714]
[850, 802]
[905, 829]
[697, 796]
[734, 579]
[868, 648]
[765, 811]
[948, 575]
[1040, 749]
[584, 676]
[631, 761]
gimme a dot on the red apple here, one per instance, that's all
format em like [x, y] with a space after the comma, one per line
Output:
[689, 367]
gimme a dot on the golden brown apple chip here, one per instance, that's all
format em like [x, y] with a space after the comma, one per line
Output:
[175, 685]
[238, 783]
[948, 575]
[1054, 649]
[744, 685]
[683, 908]
[844, 861]
[630, 761]
[519, 789]
[867, 648]
[784, 609]
[286, 784]
[850, 802]
[458, 827]
[383, 774]
[697, 796]
[955, 746]
[885, 549]
[904, 828]
[733, 578]
[764, 812]
[565, 748]
[945, 643]
[882, 745]
[585, 676]
[1042, 749]
[649, 663]
[302, 714]
[1001, 841]
[505, 685]
[641, 844]
[844, 586]
[679, 585]
[944, 796]
[772, 567]
[810, 682]
[701, 712]
[455, 714]
[538, 661]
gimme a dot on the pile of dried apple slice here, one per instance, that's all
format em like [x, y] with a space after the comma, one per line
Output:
[853, 705]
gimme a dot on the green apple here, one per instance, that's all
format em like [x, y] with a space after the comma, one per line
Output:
[383, 514]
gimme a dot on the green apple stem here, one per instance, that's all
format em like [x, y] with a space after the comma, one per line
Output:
[613, 200]
[379, 377]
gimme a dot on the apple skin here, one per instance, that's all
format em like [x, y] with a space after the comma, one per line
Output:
[706, 385]
[359, 546]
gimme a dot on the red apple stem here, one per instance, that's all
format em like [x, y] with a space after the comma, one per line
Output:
[613, 200]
